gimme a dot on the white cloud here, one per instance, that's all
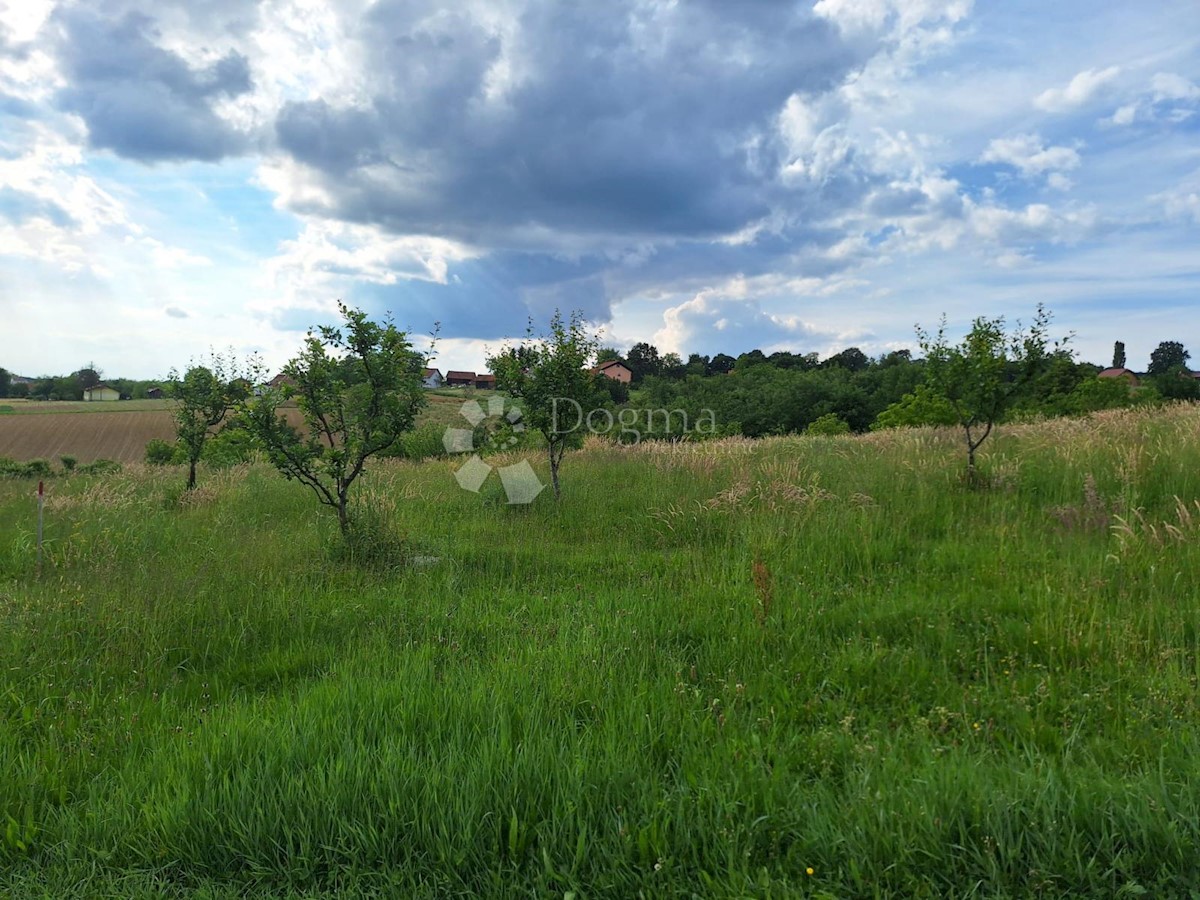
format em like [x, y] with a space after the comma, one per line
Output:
[1169, 98]
[738, 320]
[1029, 155]
[1079, 90]
[1166, 86]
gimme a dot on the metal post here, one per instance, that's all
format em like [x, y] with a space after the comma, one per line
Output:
[41, 506]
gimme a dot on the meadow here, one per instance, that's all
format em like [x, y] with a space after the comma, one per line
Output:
[801, 666]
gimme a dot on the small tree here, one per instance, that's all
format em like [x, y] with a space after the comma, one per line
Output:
[205, 396]
[359, 388]
[551, 376]
[984, 375]
[1118, 354]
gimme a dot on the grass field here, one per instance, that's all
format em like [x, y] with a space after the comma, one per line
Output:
[121, 430]
[791, 667]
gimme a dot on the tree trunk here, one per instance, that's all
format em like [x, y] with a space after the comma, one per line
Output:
[343, 516]
[555, 459]
[191, 474]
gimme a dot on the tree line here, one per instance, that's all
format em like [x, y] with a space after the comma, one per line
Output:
[756, 394]
[71, 386]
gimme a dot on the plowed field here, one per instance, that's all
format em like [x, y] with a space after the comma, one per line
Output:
[120, 435]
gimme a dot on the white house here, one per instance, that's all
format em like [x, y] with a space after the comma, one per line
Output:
[433, 378]
[101, 392]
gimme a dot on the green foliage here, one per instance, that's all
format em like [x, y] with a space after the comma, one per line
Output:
[923, 406]
[100, 467]
[829, 424]
[68, 463]
[643, 360]
[34, 468]
[162, 453]
[551, 378]
[1167, 356]
[359, 388]
[1177, 383]
[1094, 394]
[1118, 360]
[232, 445]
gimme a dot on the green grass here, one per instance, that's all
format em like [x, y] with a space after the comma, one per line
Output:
[707, 670]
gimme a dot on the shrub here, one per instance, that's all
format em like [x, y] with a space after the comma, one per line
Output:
[100, 467]
[68, 463]
[232, 445]
[160, 452]
[10, 468]
[829, 424]
[38, 468]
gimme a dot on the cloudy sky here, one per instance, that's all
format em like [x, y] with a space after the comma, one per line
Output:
[180, 175]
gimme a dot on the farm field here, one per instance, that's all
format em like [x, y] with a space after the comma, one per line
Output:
[814, 667]
[120, 431]
[22, 407]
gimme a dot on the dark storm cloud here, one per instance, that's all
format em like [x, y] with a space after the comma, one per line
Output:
[492, 298]
[620, 118]
[140, 100]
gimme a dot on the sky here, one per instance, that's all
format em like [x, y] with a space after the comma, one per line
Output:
[183, 177]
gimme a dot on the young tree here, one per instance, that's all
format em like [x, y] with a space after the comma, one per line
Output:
[205, 395]
[554, 383]
[982, 376]
[359, 388]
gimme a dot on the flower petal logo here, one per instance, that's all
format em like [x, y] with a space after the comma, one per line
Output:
[521, 483]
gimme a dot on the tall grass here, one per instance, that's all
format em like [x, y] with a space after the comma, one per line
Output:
[796, 666]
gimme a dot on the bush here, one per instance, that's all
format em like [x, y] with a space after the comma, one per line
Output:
[35, 468]
[100, 467]
[232, 445]
[160, 452]
[68, 463]
[829, 424]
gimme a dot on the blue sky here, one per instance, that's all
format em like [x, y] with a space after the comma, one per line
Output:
[179, 177]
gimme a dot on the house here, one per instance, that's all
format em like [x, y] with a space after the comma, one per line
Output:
[101, 392]
[616, 370]
[154, 393]
[485, 382]
[460, 379]
[432, 378]
[1118, 372]
[282, 380]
